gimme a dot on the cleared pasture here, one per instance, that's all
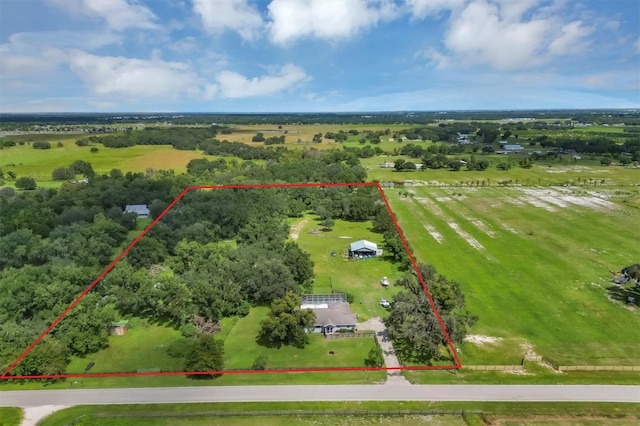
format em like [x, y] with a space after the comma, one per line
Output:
[533, 265]
[24, 160]
[336, 273]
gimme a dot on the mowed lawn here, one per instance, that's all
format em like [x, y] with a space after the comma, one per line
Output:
[142, 348]
[539, 280]
[241, 348]
[359, 277]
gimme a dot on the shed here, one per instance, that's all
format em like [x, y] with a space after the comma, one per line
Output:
[118, 328]
[140, 209]
[363, 248]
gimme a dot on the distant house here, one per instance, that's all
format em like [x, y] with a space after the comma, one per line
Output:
[118, 328]
[387, 165]
[512, 147]
[140, 209]
[332, 311]
[363, 248]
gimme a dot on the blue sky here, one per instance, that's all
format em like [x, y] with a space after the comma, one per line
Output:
[317, 55]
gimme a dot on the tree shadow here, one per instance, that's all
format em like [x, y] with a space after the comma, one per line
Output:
[623, 293]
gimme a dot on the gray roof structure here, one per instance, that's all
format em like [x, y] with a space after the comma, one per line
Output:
[363, 244]
[335, 314]
[140, 209]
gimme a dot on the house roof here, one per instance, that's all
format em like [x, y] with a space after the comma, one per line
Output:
[140, 209]
[363, 244]
[335, 314]
[514, 146]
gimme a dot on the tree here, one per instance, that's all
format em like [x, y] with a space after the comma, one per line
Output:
[327, 224]
[80, 167]
[41, 145]
[287, 324]
[413, 326]
[62, 173]
[26, 183]
[48, 357]
[206, 355]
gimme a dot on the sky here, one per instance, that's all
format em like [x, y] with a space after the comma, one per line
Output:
[317, 55]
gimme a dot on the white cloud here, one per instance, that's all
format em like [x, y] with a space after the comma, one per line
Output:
[422, 8]
[118, 14]
[480, 34]
[325, 19]
[235, 15]
[234, 85]
[139, 78]
[507, 35]
[131, 80]
[571, 40]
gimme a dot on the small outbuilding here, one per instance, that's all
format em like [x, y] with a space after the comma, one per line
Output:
[363, 249]
[140, 209]
[118, 328]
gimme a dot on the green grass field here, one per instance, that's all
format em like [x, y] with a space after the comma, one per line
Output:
[142, 348]
[242, 349]
[536, 273]
[358, 277]
[10, 416]
[205, 413]
[545, 174]
[39, 163]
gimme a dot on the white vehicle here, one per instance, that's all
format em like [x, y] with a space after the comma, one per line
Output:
[384, 282]
[385, 303]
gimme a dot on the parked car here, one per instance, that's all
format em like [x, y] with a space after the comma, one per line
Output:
[384, 282]
[385, 303]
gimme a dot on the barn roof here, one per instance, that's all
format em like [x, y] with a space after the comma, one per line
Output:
[140, 209]
[363, 244]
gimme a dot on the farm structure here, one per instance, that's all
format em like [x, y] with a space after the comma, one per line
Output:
[363, 249]
[332, 311]
[140, 209]
[118, 328]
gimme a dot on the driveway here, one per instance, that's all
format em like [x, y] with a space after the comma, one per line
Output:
[394, 377]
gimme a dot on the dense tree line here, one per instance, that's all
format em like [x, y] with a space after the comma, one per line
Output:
[54, 242]
[413, 326]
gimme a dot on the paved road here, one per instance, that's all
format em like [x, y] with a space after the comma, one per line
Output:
[71, 397]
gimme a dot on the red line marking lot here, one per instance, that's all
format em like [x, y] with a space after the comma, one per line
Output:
[457, 365]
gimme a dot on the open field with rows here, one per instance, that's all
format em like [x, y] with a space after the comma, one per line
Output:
[534, 266]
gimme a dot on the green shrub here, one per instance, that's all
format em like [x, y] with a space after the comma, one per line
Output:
[189, 330]
[260, 363]
[41, 145]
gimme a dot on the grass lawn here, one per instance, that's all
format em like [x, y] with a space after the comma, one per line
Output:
[205, 413]
[142, 348]
[241, 348]
[10, 416]
[361, 278]
[536, 275]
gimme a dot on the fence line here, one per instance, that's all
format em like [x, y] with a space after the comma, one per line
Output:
[598, 368]
[493, 367]
[355, 334]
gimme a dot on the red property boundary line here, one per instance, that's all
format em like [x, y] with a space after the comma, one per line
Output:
[452, 350]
